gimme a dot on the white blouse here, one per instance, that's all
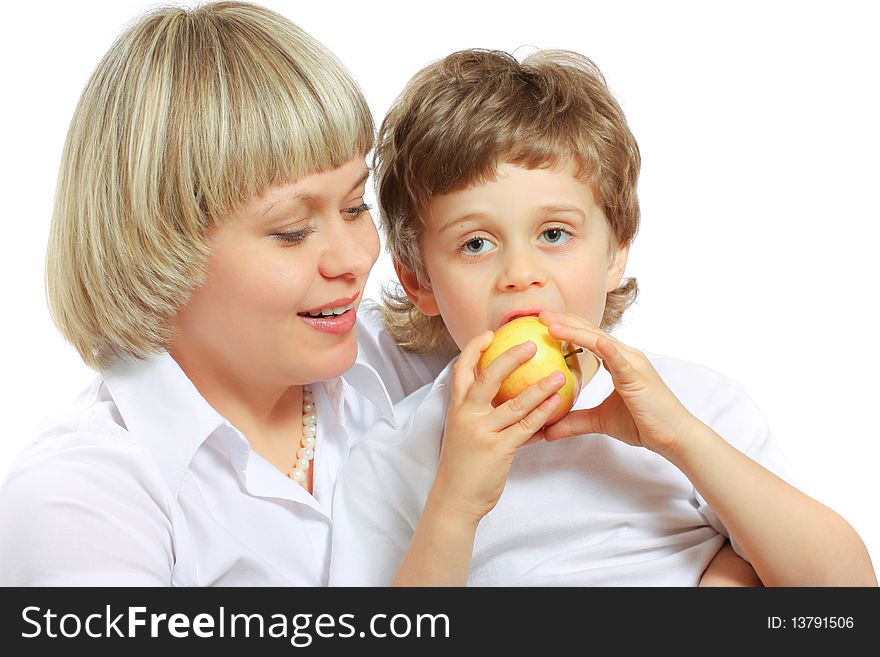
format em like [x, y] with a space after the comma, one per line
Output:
[142, 483]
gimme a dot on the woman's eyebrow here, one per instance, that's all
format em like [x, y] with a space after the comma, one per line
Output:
[361, 180]
[311, 197]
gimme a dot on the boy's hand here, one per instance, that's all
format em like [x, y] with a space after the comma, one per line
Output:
[642, 411]
[480, 441]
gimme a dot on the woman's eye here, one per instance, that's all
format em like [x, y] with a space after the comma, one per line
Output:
[556, 236]
[477, 246]
[357, 210]
[295, 236]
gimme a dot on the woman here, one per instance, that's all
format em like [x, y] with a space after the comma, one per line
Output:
[209, 248]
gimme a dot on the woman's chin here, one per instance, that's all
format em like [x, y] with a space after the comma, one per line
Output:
[334, 362]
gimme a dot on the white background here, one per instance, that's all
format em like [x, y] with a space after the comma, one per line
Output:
[758, 126]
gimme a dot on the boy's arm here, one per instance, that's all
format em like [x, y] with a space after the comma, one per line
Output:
[479, 444]
[727, 568]
[441, 548]
[789, 538]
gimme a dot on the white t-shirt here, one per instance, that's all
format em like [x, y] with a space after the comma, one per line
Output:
[141, 482]
[585, 511]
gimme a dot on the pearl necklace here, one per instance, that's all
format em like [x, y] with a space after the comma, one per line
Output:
[305, 454]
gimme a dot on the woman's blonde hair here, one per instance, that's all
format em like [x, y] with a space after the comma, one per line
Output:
[459, 117]
[190, 113]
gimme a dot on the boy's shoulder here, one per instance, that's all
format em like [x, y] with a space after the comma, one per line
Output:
[716, 398]
[697, 384]
[688, 375]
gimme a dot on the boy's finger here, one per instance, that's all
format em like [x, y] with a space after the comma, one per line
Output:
[536, 437]
[569, 319]
[565, 326]
[621, 370]
[463, 371]
[582, 337]
[576, 423]
[521, 432]
[514, 410]
[487, 382]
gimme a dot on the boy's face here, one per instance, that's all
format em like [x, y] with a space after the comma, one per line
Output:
[531, 240]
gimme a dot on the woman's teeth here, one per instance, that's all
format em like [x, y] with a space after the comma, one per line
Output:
[326, 312]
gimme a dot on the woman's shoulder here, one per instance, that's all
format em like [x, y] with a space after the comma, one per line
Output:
[91, 419]
[82, 488]
[79, 445]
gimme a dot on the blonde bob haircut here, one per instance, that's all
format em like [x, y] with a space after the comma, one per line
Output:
[459, 117]
[190, 113]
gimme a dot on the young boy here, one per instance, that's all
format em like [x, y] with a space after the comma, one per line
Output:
[509, 189]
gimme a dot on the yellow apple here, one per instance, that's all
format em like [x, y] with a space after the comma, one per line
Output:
[549, 357]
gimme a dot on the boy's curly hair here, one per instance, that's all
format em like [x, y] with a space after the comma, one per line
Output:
[461, 116]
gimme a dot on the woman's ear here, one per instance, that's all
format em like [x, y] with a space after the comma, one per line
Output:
[418, 292]
[616, 266]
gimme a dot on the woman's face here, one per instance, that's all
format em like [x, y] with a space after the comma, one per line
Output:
[284, 280]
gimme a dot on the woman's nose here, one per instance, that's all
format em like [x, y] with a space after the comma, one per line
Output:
[350, 248]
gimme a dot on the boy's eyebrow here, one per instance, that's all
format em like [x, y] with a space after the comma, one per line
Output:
[564, 208]
[550, 208]
[470, 216]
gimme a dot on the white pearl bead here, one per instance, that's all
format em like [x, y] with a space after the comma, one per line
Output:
[306, 452]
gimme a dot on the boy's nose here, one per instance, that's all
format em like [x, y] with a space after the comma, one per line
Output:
[521, 271]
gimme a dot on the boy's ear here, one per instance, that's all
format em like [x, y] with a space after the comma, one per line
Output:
[616, 266]
[419, 293]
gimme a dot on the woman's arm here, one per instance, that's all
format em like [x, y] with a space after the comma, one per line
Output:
[83, 511]
[727, 568]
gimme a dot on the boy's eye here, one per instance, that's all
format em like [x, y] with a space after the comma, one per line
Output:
[477, 246]
[556, 236]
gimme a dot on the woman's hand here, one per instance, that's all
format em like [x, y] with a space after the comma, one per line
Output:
[642, 411]
[480, 441]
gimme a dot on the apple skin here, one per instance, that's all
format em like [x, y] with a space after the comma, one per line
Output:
[549, 357]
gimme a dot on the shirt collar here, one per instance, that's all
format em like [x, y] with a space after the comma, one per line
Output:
[161, 406]
[366, 380]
